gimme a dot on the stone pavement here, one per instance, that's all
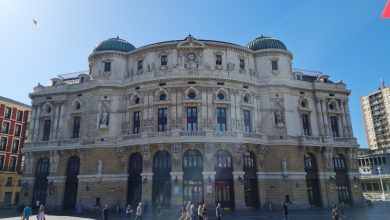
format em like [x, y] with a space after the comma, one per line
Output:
[380, 211]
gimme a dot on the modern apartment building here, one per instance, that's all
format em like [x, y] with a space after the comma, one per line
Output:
[13, 127]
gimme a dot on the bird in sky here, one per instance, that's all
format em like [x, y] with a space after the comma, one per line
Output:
[35, 22]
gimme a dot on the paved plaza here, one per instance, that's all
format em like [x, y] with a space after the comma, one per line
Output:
[380, 211]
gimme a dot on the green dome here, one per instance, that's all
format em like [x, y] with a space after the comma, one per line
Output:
[116, 44]
[264, 42]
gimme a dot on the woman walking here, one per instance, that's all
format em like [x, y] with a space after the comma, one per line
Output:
[41, 213]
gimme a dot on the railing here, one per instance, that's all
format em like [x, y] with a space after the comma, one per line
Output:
[192, 133]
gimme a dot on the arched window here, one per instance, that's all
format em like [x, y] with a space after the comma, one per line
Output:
[224, 188]
[342, 182]
[192, 176]
[134, 192]
[71, 183]
[161, 193]
[249, 161]
[312, 182]
[251, 190]
[40, 185]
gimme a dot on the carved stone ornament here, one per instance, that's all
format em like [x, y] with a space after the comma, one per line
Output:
[29, 163]
[104, 117]
[230, 66]
[328, 156]
[100, 168]
[279, 121]
[284, 167]
[121, 152]
[54, 159]
[238, 153]
[176, 153]
[352, 157]
[209, 151]
[261, 151]
[146, 154]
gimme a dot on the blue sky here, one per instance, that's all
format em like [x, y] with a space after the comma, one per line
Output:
[344, 39]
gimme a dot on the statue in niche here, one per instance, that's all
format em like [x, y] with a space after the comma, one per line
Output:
[284, 167]
[278, 117]
[100, 167]
[104, 117]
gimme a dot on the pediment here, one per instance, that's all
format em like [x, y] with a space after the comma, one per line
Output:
[190, 42]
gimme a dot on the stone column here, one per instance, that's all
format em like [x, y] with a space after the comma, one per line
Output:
[239, 195]
[343, 120]
[348, 119]
[147, 183]
[36, 128]
[27, 190]
[61, 121]
[340, 124]
[55, 192]
[176, 190]
[209, 188]
[320, 118]
[325, 117]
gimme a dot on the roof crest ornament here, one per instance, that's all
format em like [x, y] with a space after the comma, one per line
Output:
[190, 42]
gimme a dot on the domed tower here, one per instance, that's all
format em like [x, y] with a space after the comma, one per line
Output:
[272, 59]
[108, 59]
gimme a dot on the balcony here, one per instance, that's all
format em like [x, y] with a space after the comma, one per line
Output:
[11, 169]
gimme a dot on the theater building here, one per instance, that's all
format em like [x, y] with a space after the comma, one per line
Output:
[198, 120]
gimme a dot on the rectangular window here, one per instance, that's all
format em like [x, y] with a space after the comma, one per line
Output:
[164, 60]
[192, 119]
[5, 128]
[334, 126]
[162, 119]
[247, 121]
[274, 65]
[9, 181]
[221, 119]
[8, 112]
[242, 64]
[218, 60]
[139, 64]
[15, 146]
[19, 116]
[3, 144]
[76, 127]
[137, 122]
[18, 129]
[1, 162]
[107, 66]
[12, 164]
[306, 125]
[46, 130]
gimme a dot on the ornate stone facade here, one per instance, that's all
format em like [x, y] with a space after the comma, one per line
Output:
[195, 120]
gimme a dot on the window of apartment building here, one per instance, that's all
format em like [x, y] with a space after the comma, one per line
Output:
[7, 113]
[3, 144]
[139, 66]
[5, 128]
[334, 126]
[221, 119]
[9, 181]
[18, 129]
[339, 163]
[107, 66]
[12, 163]
[242, 64]
[15, 146]
[274, 65]
[46, 130]
[218, 60]
[1, 162]
[192, 118]
[164, 60]
[76, 127]
[19, 115]
[136, 122]
[162, 119]
[306, 125]
[247, 121]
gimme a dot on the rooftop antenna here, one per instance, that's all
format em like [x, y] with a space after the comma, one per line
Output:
[382, 83]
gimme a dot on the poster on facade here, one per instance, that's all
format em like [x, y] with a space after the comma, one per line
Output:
[209, 189]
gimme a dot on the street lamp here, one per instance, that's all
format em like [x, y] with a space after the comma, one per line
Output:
[380, 179]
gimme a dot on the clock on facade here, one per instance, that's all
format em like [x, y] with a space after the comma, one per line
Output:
[191, 56]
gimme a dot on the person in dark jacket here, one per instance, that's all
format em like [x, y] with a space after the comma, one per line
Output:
[218, 211]
[105, 212]
[285, 210]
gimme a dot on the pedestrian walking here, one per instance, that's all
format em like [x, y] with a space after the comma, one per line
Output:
[41, 213]
[285, 211]
[129, 212]
[37, 204]
[183, 212]
[139, 212]
[341, 208]
[188, 210]
[105, 212]
[200, 212]
[218, 211]
[205, 216]
[193, 212]
[26, 213]
[335, 213]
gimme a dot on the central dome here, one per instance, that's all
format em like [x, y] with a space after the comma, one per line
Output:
[116, 44]
[264, 42]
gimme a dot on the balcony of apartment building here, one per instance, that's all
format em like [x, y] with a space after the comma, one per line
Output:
[11, 169]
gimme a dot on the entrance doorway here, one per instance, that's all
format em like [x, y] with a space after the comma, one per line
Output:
[161, 193]
[224, 190]
[40, 184]
[71, 184]
[192, 177]
[312, 183]
[251, 191]
[134, 192]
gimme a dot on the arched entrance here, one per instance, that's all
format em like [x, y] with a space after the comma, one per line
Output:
[192, 177]
[251, 191]
[134, 183]
[40, 185]
[71, 184]
[224, 191]
[312, 183]
[161, 193]
[342, 182]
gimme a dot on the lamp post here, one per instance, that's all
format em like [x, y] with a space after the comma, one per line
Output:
[380, 179]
